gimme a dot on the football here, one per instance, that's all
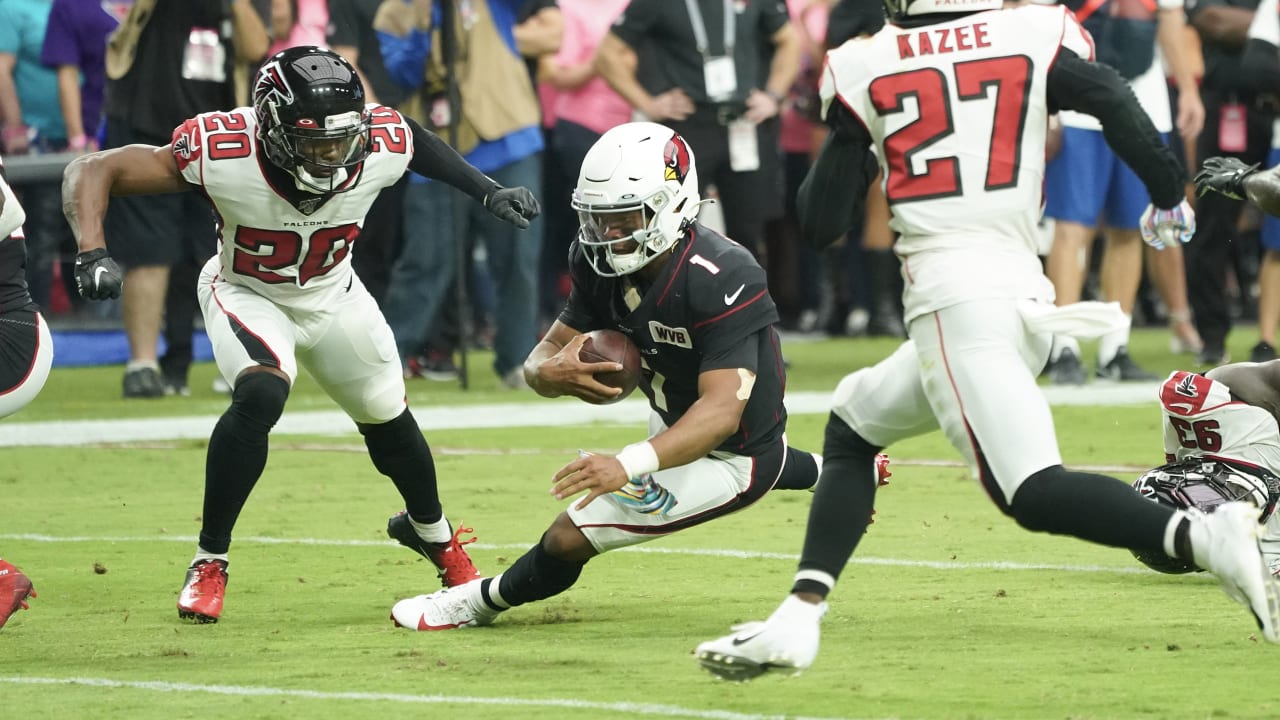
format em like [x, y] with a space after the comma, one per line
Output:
[613, 346]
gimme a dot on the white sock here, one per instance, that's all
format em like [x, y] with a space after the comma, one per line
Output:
[1171, 532]
[495, 596]
[202, 555]
[794, 607]
[141, 364]
[1063, 342]
[1111, 343]
[436, 532]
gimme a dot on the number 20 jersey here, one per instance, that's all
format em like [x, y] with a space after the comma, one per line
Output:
[290, 246]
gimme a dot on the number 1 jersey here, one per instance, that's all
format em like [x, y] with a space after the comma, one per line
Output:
[289, 245]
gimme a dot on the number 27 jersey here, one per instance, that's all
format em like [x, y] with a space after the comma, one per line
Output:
[290, 246]
[958, 112]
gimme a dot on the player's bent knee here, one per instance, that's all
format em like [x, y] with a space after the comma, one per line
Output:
[260, 396]
[564, 541]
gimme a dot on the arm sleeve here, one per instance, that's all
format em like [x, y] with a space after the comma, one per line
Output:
[850, 18]
[1098, 90]
[832, 195]
[435, 159]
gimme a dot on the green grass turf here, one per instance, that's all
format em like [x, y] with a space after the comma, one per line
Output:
[940, 616]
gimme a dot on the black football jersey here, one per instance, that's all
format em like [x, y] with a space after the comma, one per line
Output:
[13, 275]
[709, 302]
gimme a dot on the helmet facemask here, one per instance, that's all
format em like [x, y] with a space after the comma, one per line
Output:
[320, 158]
[621, 239]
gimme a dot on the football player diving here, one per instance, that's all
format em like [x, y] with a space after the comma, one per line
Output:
[291, 180]
[697, 306]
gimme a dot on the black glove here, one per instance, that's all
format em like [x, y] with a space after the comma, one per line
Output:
[515, 205]
[98, 277]
[1224, 175]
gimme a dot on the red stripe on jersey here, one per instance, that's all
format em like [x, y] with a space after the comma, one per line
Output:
[723, 315]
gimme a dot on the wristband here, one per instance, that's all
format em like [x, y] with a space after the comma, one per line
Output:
[79, 142]
[638, 459]
[777, 97]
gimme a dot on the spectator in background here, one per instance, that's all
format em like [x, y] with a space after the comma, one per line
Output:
[297, 22]
[1261, 62]
[793, 268]
[169, 60]
[75, 45]
[718, 80]
[352, 36]
[584, 107]
[32, 119]
[1237, 124]
[1086, 179]
[498, 131]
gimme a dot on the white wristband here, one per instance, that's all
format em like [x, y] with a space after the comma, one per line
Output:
[638, 459]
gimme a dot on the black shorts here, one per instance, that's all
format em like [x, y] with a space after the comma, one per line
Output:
[19, 341]
[165, 229]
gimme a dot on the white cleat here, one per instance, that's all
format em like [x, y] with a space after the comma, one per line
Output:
[787, 642]
[1225, 542]
[452, 608]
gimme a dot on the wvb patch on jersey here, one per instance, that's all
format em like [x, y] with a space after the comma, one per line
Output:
[671, 336]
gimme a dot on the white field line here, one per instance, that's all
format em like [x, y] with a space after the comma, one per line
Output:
[694, 552]
[543, 413]
[654, 709]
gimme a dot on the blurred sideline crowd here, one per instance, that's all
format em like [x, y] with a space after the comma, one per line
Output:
[538, 81]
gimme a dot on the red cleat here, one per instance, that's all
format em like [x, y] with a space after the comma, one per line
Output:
[202, 593]
[15, 588]
[454, 565]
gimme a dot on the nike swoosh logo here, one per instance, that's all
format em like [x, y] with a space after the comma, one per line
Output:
[739, 640]
[729, 299]
[424, 625]
[97, 277]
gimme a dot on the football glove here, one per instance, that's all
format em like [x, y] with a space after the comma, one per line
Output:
[1223, 175]
[515, 205]
[98, 277]
[1160, 228]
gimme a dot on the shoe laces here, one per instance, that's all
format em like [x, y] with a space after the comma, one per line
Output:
[453, 557]
[210, 578]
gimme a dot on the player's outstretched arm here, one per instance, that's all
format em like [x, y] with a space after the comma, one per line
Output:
[88, 182]
[1098, 90]
[434, 158]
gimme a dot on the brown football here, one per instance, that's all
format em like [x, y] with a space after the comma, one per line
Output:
[613, 346]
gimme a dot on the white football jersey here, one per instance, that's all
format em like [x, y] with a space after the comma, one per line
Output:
[290, 246]
[958, 114]
[1202, 420]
